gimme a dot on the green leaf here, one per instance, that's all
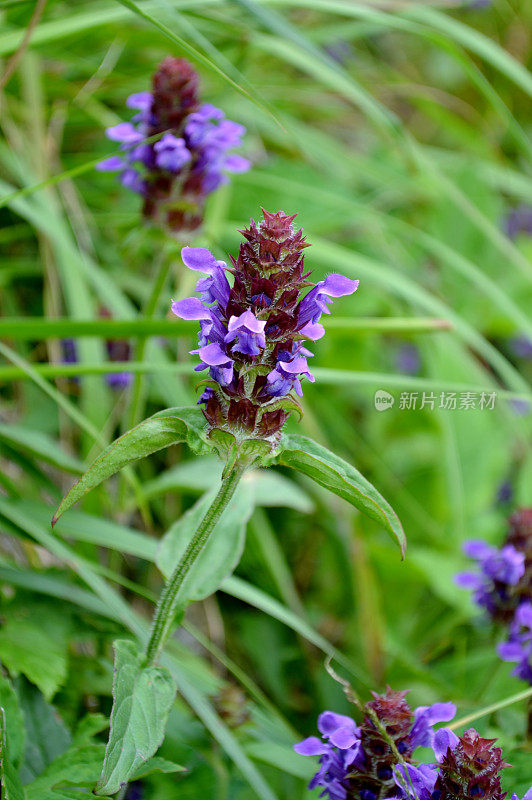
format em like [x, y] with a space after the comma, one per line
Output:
[143, 698]
[46, 736]
[9, 779]
[27, 647]
[13, 719]
[79, 766]
[222, 552]
[157, 764]
[65, 794]
[165, 428]
[339, 477]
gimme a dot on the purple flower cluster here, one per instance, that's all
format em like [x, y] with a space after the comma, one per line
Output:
[191, 158]
[500, 570]
[365, 763]
[467, 766]
[252, 328]
[503, 587]
[358, 761]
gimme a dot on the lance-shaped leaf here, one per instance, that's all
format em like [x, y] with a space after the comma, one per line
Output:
[142, 699]
[171, 426]
[223, 549]
[339, 477]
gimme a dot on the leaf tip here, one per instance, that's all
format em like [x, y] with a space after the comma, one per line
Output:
[54, 519]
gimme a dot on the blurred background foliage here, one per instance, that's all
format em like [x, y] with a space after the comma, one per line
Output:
[399, 132]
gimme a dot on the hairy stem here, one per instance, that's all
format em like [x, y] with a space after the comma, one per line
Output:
[170, 597]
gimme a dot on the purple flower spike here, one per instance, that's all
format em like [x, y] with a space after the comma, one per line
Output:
[188, 154]
[361, 763]
[251, 324]
[503, 586]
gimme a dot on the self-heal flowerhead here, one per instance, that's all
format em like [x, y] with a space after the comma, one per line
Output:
[467, 767]
[358, 762]
[500, 571]
[504, 588]
[190, 159]
[254, 316]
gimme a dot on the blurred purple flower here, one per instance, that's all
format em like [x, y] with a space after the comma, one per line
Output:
[498, 570]
[521, 346]
[408, 360]
[190, 159]
[504, 587]
[505, 493]
[518, 221]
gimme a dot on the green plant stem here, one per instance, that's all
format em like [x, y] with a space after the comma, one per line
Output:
[529, 720]
[169, 600]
